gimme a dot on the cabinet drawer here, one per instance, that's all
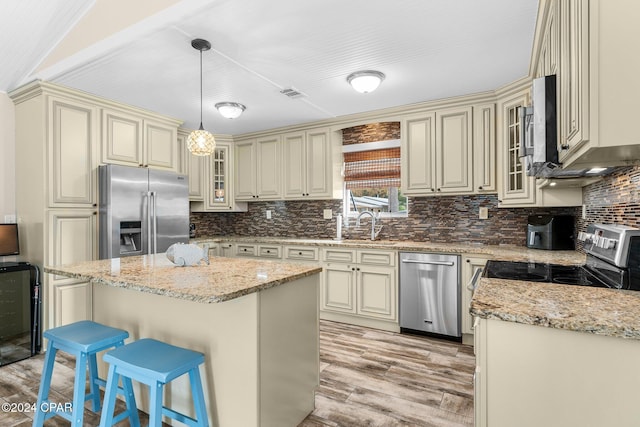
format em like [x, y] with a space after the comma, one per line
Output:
[377, 258]
[246, 250]
[270, 251]
[338, 255]
[301, 253]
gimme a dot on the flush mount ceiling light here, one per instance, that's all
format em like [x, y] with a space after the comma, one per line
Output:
[230, 110]
[200, 142]
[365, 81]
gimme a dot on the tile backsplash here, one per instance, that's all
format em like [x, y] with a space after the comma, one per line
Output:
[615, 199]
[431, 219]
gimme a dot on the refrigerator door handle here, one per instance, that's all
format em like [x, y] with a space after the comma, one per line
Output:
[149, 249]
[155, 221]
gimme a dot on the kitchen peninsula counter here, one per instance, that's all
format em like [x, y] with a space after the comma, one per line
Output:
[256, 321]
[555, 347]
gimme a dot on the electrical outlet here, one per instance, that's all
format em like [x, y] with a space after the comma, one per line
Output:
[268, 214]
[327, 214]
[483, 213]
[10, 219]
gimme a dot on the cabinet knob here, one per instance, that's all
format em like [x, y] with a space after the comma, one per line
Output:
[564, 146]
[299, 253]
[439, 189]
[95, 205]
[468, 260]
[480, 188]
[353, 269]
[433, 189]
[268, 251]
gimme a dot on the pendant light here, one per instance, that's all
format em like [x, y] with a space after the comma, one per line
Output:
[200, 142]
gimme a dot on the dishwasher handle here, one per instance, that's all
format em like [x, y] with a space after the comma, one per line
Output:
[413, 261]
[473, 283]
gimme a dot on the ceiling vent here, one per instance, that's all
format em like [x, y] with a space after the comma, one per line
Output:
[292, 93]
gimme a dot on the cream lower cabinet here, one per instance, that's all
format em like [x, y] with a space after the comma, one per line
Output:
[533, 376]
[73, 238]
[360, 287]
[471, 268]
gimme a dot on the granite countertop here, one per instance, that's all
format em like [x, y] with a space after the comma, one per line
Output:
[598, 311]
[498, 252]
[224, 279]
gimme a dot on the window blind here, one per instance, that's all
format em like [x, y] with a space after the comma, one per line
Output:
[372, 169]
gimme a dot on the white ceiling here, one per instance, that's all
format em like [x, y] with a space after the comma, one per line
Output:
[428, 49]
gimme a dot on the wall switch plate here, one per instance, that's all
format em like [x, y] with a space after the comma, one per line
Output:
[483, 213]
[327, 214]
[10, 219]
[268, 214]
[584, 211]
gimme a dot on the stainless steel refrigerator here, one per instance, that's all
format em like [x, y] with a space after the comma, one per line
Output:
[142, 211]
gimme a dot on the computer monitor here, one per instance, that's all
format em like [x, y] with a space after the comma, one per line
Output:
[9, 240]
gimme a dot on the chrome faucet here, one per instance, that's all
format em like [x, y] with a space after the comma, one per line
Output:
[373, 223]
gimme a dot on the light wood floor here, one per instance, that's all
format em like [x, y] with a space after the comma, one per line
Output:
[368, 378]
[375, 378]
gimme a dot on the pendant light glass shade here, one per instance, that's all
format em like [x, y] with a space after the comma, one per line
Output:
[200, 142]
[365, 81]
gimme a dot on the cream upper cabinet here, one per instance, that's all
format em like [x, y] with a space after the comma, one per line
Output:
[484, 148]
[121, 138]
[516, 188]
[218, 182]
[574, 78]
[133, 140]
[192, 166]
[258, 172]
[437, 152]
[307, 164]
[598, 80]
[160, 150]
[454, 151]
[418, 153]
[72, 126]
[549, 55]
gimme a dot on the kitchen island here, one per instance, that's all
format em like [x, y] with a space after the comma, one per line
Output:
[555, 355]
[256, 322]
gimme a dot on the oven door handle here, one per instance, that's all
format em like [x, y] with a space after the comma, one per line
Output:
[473, 283]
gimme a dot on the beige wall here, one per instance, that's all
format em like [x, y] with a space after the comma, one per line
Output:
[7, 157]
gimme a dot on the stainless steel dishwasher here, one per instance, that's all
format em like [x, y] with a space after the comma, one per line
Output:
[430, 293]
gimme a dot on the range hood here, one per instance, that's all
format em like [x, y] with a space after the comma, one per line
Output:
[539, 136]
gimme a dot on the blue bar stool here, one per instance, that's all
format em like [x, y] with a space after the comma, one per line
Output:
[83, 340]
[155, 364]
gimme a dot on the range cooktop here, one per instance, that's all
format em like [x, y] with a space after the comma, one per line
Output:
[540, 272]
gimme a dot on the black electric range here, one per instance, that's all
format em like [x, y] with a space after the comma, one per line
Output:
[540, 272]
[613, 261]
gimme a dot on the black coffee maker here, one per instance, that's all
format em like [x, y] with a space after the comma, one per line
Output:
[551, 232]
